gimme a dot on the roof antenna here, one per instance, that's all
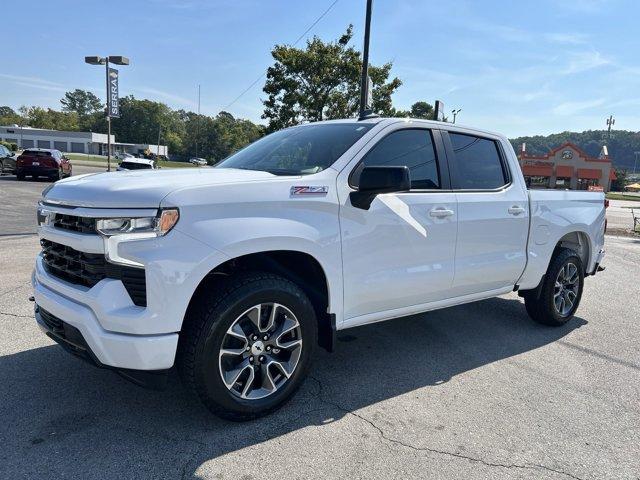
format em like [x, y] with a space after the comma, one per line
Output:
[366, 86]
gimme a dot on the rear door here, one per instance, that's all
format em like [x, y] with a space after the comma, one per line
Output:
[399, 253]
[493, 215]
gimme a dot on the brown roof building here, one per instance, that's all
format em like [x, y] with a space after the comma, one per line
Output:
[567, 167]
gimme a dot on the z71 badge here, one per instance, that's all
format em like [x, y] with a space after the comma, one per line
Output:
[309, 190]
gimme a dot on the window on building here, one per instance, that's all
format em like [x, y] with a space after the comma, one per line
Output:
[410, 147]
[536, 181]
[563, 182]
[585, 183]
[477, 162]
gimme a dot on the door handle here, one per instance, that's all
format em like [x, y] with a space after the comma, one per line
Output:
[516, 210]
[441, 212]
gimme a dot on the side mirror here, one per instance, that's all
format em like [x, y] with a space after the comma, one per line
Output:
[377, 180]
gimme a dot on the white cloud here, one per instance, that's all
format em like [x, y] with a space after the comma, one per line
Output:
[177, 99]
[583, 61]
[567, 38]
[572, 108]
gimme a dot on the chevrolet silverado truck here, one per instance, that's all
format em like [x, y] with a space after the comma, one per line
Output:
[233, 275]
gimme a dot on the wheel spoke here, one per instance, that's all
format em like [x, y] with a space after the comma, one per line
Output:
[232, 351]
[272, 317]
[237, 332]
[249, 383]
[254, 315]
[267, 380]
[232, 376]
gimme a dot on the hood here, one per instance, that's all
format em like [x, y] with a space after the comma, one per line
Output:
[141, 188]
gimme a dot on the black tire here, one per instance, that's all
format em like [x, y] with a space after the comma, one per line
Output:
[20, 176]
[543, 309]
[203, 334]
[57, 176]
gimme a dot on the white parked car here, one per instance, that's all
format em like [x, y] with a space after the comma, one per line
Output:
[201, 162]
[235, 274]
[133, 163]
[123, 155]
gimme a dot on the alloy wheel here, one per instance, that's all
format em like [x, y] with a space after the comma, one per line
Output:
[260, 351]
[566, 288]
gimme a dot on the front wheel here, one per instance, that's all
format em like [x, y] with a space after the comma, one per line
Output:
[246, 347]
[561, 290]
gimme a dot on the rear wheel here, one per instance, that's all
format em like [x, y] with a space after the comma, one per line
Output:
[245, 350]
[561, 290]
[57, 176]
[20, 176]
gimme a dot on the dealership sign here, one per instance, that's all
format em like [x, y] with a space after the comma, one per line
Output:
[113, 105]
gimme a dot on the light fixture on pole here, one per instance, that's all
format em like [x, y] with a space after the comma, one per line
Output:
[455, 113]
[610, 123]
[113, 108]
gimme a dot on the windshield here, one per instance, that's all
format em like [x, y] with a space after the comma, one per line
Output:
[299, 150]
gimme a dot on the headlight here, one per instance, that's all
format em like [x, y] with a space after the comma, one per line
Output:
[43, 216]
[159, 225]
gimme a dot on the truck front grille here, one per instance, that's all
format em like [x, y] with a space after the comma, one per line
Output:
[87, 269]
[74, 223]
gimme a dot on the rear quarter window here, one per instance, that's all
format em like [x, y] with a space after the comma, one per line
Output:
[478, 162]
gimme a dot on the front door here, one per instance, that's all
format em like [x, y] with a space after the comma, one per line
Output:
[399, 254]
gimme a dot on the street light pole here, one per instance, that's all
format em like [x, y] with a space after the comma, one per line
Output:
[455, 113]
[610, 123]
[635, 161]
[117, 60]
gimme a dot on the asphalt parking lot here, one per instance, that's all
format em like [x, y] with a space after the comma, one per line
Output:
[476, 391]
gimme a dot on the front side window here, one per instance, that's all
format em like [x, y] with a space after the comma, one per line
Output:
[477, 162]
[301, 150]
[412, 148]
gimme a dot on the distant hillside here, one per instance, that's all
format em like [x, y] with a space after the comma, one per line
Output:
[621, 147]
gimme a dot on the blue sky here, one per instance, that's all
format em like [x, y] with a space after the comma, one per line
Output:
[518, 67]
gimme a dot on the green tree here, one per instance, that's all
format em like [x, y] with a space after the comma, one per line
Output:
[418, 110]
[8, 116]
[322, 81]
[140, 121]
[82, 102]
[38, 117]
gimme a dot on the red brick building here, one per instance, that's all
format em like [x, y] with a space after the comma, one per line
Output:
[567, 167]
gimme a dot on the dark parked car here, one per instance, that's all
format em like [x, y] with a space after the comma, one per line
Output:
[7, 160]
[43, 162]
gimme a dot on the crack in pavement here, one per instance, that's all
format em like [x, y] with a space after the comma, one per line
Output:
[533, 466]
[16, 315]
[15, 289]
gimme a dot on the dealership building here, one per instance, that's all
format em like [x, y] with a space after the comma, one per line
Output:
[73, 142]
[567, 167]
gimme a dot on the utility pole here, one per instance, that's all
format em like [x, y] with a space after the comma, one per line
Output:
[365, 109]
[158, 150]
[455, 113]
[635, 161]
[610, 123]
[198, 122]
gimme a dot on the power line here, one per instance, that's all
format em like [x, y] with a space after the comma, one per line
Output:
[294, 44]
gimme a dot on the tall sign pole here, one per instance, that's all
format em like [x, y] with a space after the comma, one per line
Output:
[365, 108]
[108, 118]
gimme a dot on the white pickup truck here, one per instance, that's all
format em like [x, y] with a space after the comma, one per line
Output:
[235, 274]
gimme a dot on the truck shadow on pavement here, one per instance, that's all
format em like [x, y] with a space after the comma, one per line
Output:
[64, 418]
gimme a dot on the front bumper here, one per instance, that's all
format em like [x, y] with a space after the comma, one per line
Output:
[117, 350]
[72, 340]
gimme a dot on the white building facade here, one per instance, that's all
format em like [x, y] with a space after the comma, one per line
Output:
[72, 142]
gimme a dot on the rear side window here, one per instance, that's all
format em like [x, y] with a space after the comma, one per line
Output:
[412, 148]
[477, 162]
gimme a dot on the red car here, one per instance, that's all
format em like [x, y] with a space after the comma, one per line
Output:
[43, 162]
